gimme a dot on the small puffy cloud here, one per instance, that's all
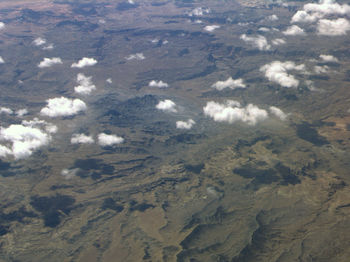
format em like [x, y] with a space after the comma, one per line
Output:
[211, 28]
[81, 139]
[39, 41]
[231, 112]
[2, 25]
[85, 85]
[335, 27]
[278, 112]
[137, 56]
[69, 173]
[109, 140]
[109, 81]
[229, 83]
[62, 106]
[131, 2]
[2, 61]
[48, 47]
[25, 140]
[167, 105]
[6, 110]
[21, 112]
[84, 62]
[48, 62]
[272, 17]
[294, 30]
[259, 42]
[278, 41]
[329, 58]
[321, 69]
[264, 29]
[199, 11]
[185, 124]
[159, 84]
[277, 72]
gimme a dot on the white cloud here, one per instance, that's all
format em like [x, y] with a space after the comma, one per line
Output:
[137, 56]
[69, 173]
[109, 81]
[85, 85]
[21, 112]
[278, 41]
[321, 69]
[185, 124]
[302, 16]
[39, 41]
[159, 84]
[4, 151]
[37, 123]
[6, 110]
[329, 58]
[231, 112]
[327, 7]
[277, 72]
[335, 27]
[2, 25]
[109, 140]
[259, 42]
[81, 139]
[167, 105]
[131, 2]
[264, 29]
[25, 140]
[229, 83]
[48, 47]
[47, 62]
[211, 28]
[278, 112]
[2, 61]
[199, 11]
[294, 30]
[61, 106]
[273, 17]
[85, 61]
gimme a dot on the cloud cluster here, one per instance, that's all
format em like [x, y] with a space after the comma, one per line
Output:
[62, 106]
[185, 124]
[109, 140]
[321, 69]
[21, 112]
[277, 72]
[39, 41]
[37, 123]
[137, 56]
[229, 83]
[159, 84]
[294, 30]
[335, 27]
[167, 106]
[48, 62]
[211, 28]
[85, 85]
[232, 111]
[258, 42]
[84, 62]
[329, 58]
[81, 139]
[313, 12]
[199, 11]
